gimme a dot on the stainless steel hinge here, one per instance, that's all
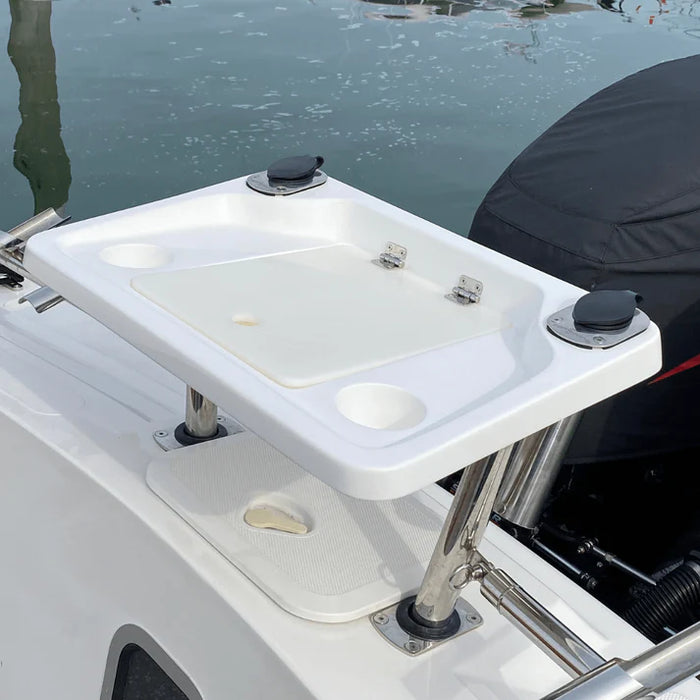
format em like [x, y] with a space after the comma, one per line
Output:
[467, 291]
[394, 255]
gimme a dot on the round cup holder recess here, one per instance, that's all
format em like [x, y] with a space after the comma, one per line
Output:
[136, 255]
[380, 406]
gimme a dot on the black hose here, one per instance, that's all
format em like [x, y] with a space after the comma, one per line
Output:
[675, 596]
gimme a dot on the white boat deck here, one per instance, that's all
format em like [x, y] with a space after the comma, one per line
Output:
[88, 547]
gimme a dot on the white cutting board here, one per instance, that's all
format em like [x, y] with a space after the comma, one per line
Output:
[307, 317]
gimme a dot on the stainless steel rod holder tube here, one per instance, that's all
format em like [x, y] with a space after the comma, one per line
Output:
[455, 552]
[200, 415]
[12, 243]
[43, 221]
[648, 674]
[531, 473]
[564, 647]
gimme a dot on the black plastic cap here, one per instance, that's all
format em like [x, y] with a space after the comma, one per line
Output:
[294, 169]
[606, 309]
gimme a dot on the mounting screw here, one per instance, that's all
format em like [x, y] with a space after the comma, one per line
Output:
[472, 617]
[161, 433]
[598, 339]
[412, 646]
[381, 618]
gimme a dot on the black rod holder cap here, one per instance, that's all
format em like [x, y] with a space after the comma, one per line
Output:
[606, 309]
[294, 169]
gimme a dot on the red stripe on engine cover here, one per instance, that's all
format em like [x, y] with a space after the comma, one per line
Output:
[688, 364]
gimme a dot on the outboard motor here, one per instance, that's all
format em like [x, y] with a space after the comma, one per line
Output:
[609, 198]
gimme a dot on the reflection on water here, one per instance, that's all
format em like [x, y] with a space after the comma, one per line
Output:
[523, 48]
[424, 9]
[650, 11]
[536, 9]
[39, 153]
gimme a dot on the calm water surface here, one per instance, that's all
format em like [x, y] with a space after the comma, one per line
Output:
[109, 104]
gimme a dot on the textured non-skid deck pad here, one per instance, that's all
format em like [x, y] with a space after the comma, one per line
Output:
[357, 556]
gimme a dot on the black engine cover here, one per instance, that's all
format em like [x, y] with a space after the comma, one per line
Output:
[609, 198]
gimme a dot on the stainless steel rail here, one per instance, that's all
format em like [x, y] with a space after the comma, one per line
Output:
[646, 675]
[530, 475]
[200, 415]
[564, 647]
[449, 569]
[12, 242]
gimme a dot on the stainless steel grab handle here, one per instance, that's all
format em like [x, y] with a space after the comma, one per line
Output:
[646, 675]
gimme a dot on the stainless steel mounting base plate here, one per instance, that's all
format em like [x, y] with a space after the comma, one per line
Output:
[386, 624]
[166, 438]
[260, 183]
[562, 325]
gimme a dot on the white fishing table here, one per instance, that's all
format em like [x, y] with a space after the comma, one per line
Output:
[366, 376]
[328, 323]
